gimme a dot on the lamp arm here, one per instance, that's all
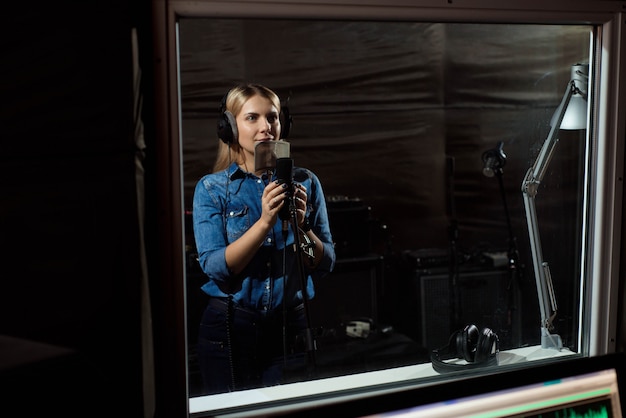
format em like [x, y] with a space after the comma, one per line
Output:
[530, 185]
[538, 169]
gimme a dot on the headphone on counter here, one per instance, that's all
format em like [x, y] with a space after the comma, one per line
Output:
[227, 124]
[479, 348]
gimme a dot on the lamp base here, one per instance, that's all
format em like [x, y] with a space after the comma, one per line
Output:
[550, 340]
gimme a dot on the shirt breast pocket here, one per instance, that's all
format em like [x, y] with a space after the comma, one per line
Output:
[237, 222]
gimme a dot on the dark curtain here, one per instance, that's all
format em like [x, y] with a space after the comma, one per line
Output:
[397, 115]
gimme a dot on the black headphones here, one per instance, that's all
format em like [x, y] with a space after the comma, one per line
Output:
[479, 348]
[227, 125]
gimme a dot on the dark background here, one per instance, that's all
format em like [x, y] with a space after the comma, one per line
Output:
[70, 234]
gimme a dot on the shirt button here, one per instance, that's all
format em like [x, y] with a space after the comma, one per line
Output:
[269, 240]
[258, 180]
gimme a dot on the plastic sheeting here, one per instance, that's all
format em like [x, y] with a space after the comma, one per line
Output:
[398, 115]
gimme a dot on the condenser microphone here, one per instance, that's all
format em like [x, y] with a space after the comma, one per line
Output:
[284, 168]
[267, 152]
[494, 160]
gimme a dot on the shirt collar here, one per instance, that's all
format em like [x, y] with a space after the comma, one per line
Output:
[234, 172]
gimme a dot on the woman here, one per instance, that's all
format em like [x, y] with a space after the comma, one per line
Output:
[255, 313]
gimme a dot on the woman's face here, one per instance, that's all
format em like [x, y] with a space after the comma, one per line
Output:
[257, 121]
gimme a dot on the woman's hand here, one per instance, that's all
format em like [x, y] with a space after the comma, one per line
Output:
[300, 199]
[272, 201]
[275, 197]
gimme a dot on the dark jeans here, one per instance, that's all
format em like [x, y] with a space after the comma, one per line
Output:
[241, 349]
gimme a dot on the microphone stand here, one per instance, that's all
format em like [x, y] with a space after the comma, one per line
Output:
[453, 232]
[514, 266]
[309, 338]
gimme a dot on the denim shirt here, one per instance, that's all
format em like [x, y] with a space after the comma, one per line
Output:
[225, 205]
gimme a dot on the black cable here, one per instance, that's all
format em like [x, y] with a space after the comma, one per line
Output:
[229, 340]
[285, 233]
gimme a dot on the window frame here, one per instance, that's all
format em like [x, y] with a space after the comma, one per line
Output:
[606, 191]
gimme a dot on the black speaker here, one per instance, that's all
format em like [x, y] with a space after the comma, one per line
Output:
[479, 348]
[351, 225]
[227, 124]
[349, 292]
[483, 298]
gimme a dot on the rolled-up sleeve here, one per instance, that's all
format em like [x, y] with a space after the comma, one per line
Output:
[318, 216]
[209, 230]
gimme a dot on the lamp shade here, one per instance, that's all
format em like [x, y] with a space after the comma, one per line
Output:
[576, 113]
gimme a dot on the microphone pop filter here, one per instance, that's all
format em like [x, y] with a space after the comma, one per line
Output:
[267, 152]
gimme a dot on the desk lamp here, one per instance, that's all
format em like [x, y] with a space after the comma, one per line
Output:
[570, 115]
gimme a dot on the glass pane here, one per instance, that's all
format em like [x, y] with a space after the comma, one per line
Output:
[400, 120]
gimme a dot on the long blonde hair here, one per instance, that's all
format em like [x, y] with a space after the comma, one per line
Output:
[236, 97]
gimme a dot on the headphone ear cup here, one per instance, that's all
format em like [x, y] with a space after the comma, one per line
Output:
[286, 122]
[487, 344]
[460, 344]
[227, 128]
[466, 342]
